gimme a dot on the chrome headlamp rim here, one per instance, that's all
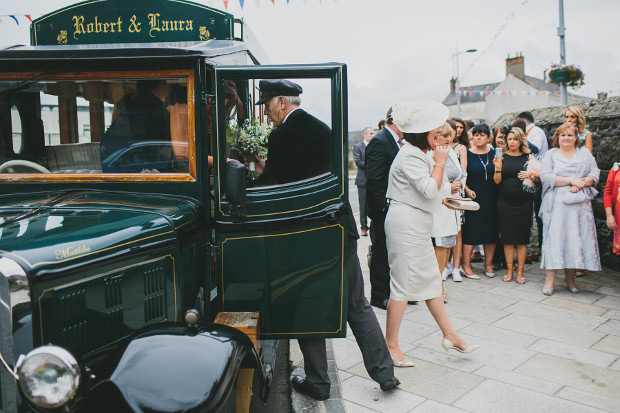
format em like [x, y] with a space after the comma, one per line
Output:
[68, 361]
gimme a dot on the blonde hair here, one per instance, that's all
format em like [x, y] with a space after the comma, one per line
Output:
[446, 130]
[581, 118]
[560, 130]
[520, 135]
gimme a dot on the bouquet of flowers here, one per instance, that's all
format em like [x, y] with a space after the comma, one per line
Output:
[532, 167]
[250, 140]
[569, 74]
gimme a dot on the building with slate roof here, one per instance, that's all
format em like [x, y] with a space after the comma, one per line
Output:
[516, 93]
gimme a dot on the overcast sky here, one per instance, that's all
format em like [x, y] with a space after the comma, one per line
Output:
[397, 49]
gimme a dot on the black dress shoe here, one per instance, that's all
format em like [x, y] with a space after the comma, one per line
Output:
[390, 384]
[300, 386]
[382, 304]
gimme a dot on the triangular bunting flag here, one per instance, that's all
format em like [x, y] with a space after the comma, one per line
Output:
[226, 4]
[28, 17]
[241, 3]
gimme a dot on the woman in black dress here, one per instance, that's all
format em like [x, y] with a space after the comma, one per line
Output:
[515, 205]
[480, 227]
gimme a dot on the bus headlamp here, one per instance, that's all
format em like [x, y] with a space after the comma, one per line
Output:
[49, 376]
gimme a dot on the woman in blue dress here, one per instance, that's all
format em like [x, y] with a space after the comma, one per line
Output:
[480, 227]
[568, 174]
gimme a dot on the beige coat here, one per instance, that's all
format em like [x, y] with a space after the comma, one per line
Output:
[410, 181]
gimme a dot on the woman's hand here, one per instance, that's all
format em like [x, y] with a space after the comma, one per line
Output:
[579, 183]
[574, 189]
[470, 194]
[440, 154]
[456, 186]
[523, 175]
[498, 163]
[611, 222]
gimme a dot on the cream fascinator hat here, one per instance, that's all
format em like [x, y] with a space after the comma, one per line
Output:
[419, 116]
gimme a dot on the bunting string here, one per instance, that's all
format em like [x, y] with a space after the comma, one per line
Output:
[14, 17]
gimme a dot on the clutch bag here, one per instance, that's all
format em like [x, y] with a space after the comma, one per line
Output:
[466, 204]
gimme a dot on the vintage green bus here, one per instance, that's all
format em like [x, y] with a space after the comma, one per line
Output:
[138, 269]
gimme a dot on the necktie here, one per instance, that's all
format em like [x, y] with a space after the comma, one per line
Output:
[400, 143]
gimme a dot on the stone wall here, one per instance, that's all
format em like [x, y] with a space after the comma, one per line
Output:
[603, 120]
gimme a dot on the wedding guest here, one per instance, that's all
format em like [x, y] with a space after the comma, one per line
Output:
[514, 205]
[480, 227]
[612, 206]
[447, 222]
[499, 136]
[460, 150]
[575, 115]
[414, 190]
[568, 174]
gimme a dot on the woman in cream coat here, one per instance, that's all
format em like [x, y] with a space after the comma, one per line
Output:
[415, 192]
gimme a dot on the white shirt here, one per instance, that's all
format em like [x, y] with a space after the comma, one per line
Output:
[394, 135]
[537, 136]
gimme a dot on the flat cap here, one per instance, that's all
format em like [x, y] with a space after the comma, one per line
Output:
[277, 87]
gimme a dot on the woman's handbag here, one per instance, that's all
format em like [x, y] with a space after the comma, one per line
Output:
[465, 204]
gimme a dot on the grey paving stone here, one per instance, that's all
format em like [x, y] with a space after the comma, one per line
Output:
[493, 396]
[616, 365]
[606, 290]
[609, 344]
[500, 335]
[454, 360]
[347, 353]
[609, 301]
[483, 300]
[516, 379]
[586, 377]
[368, 394]
[541, 327]
[589, 399]
[516, 293]
[472, 312]
[557, 315]
[572, 352]
[424, 316]
[614, 313]
[611, 326]
[356, 408]
[431, 406]
[572, 305]
[435, 382]
[502, 355]
[343, 375]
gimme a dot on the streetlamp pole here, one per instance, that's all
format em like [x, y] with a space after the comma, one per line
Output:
[458, 80]
[561, 34]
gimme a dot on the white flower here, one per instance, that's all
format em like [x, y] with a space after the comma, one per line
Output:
[402, 113]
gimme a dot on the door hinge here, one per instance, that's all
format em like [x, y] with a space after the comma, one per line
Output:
[213, 249]
[204, 96]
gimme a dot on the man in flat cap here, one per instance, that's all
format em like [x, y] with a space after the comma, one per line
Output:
[301, 138]
[300, 145]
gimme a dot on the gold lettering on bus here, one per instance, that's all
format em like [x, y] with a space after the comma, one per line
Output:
[156, 24]
[95, 26]
[134, 25]
[71, 252]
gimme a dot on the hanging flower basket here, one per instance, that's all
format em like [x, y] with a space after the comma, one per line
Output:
[570, 75]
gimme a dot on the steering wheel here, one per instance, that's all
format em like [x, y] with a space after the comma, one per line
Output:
[7, 167]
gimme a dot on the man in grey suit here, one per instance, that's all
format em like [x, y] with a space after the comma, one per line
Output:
[359, 157]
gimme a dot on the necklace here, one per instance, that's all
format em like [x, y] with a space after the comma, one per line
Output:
[484, 165]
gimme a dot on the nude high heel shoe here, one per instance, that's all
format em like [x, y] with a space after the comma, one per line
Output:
[403, 363]
[447, 345]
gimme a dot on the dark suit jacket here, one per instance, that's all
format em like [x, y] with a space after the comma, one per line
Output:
[359, 157]
[380, 153]
[298, 149]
